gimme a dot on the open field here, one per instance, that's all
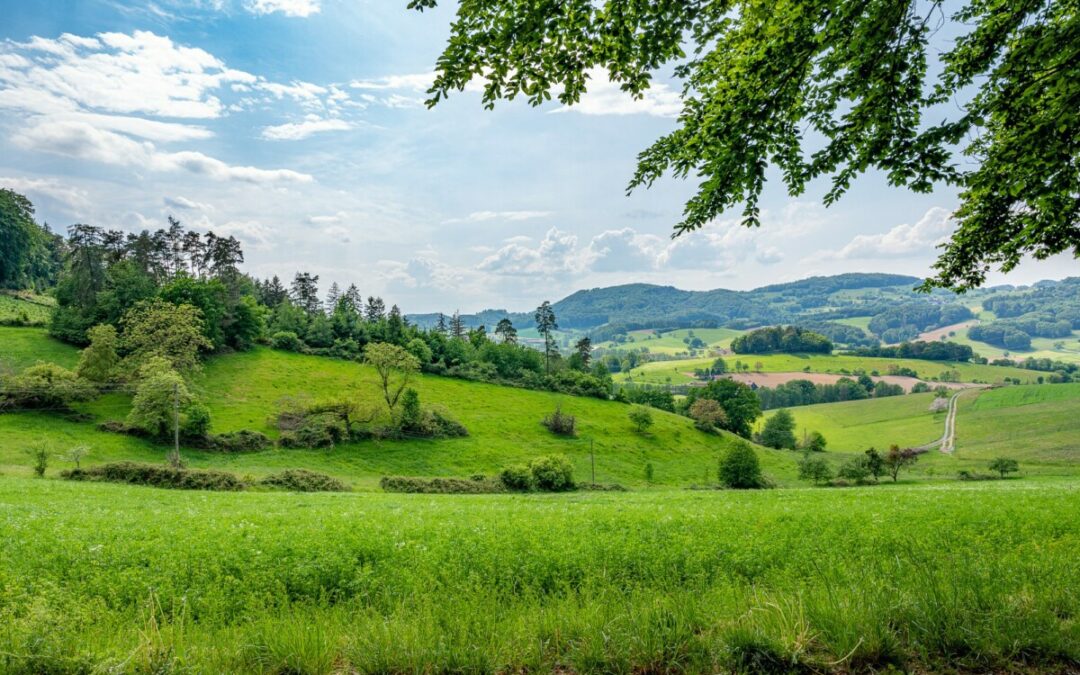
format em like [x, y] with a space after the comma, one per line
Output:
[772, 380]
[857, 321]
[671, 342]
[115, 578]
[1041, 348]
[1031, 424]
[854, 426]
[681, 372]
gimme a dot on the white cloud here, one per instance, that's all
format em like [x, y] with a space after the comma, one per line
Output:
[411, 82]
[623, 250]
[75, 200]
[185, 204]
[485, 216]
[293, 8]
[84, 141]
[604, 97]
[119, 73]
[300, 130]
[249, 232]
[903, 240]
[556, 253]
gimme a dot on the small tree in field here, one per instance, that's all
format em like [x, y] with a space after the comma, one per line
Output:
[99, 361]
[779, 430]
[39, 454]
[896, 459]
[1004, 465]
[875, 463]
[641, 418]
[708, 415]
[814, 469]
[395, 367]
[739, 468]
[76, 454]
[815, 442]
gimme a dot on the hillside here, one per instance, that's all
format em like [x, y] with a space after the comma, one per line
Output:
[243, 390]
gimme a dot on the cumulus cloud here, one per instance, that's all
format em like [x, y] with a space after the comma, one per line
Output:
[73, 199]
[604, 97]
[184, 204]
[903, 240]
[292, 8]
[300, 130]
[556, 253]
[623, 250]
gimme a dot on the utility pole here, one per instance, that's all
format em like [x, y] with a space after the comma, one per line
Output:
[174, 458]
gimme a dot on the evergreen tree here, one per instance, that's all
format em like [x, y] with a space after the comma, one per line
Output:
[440, 325]
[305, 292]
[583, 349]
[545, 324]
[457, 326]
[375, 310]
[506, 331]
[332, 297]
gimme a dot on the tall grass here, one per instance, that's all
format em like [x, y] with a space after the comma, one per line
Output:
[123, 579]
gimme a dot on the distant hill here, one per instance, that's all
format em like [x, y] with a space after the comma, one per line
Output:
[651, 306]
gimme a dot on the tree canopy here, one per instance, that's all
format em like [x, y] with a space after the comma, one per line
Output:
[822, 89]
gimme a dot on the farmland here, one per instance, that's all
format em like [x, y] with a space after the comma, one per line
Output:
[675, 341]
[109, 577]
[681, 372]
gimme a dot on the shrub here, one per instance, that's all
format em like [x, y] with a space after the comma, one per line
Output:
[416, 420]
[160, 391]
[814, 469]
[156, 475]
[286, 341]
[708, 415]
[302, 480]
[739, 468]
[238, 441]
[640, 417]
[321, 430]
[552, 473]
[45, 385]
[815, 442]
[561, 423]
[517, 478]
[411, 484]
[856, 469]
[99, 361]
[39, 454]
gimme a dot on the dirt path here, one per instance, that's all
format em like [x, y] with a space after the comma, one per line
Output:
[947, 442]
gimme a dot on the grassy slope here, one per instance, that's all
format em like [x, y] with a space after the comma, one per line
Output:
[659, 371]
[1041, 348]
[1030, 424]
[854, 426]
[21, 347]
[36, 308]
[243, 391]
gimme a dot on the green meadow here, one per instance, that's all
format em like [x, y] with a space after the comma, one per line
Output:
[105, 578]
[671, 342]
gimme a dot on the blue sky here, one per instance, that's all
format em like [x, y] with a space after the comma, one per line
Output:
[298, 127]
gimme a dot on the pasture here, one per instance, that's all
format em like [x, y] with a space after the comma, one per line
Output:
[109, 578]
[673, 341]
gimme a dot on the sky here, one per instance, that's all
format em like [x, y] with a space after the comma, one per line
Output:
[298, 126]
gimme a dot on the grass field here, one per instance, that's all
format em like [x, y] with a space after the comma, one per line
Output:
[21, 347]
[101, 578]
[1041, 348]
[854, 426]
[857, 321]
[671, 342]
[243, 390]
[659, 372]
[25, 307]
[1030, 424]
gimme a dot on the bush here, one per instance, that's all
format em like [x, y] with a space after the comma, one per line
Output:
[552, 473]
[739, 468]
[44, 386]
[40, 455]
[321, 430]
[156, 475]
[517, 478]
[410, 484]
[302, 480]
[286, 341]
[814, 469]
[856, 469]
[238, 441]
[641, 418]
[561, 423]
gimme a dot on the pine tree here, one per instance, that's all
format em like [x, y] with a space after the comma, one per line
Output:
[375, 310]
[505, 330]
[457, 326]
[545, 324]
[440, 325]
[583, 348]
[332, 297]
[305, 292]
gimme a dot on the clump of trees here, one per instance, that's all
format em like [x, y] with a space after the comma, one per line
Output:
[739, 403]
[927, 351]
[904, 321]
[804, 392]
[785, 339]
